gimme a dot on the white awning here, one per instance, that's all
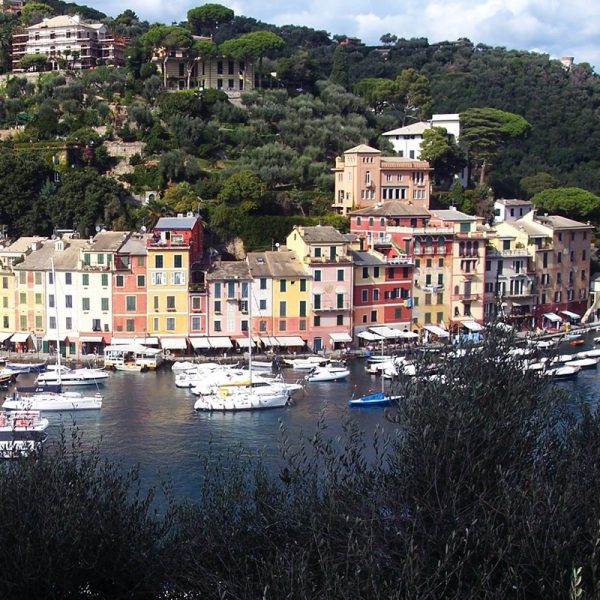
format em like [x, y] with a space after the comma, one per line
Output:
[409, 335]
[199, 343]
[553, 317]
[369, 336]
[94, 339]
[4, 335]
[243, 342]
[290, 340]
[472, 325]
[268, 340]
[145, 341]
[436, 330]
[340, 336]
[570, 314]
[20, 337]
[50, 337]
[219, 342]
[174, 343]
[386, 332]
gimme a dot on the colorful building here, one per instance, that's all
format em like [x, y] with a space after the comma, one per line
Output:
[363, 178]
[174, 250]
[325, 252]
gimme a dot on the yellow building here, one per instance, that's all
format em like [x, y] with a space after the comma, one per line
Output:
[171, 251]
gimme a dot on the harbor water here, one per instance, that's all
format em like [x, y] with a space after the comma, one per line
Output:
[146, 420]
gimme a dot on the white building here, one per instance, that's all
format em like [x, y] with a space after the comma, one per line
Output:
[80, 44]
[509, 210]
[407, 140]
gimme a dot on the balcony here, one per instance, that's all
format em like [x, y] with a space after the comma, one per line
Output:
[399, 260]
[331, 308]
[197, 287]
[467, 297]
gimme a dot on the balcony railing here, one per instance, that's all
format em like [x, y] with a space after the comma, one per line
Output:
[467, 297]
[330, 308]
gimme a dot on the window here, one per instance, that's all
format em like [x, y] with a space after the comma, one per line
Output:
[141, 281]
[38, 298]
[282, 285]
[364, 295]
[130, 303]
[375, 294]
[217, 289]
[158, 261]
[68, 323]
[302, 308]
[38, 322]
[316, 301]
[178, 278]
[159, 278]
[339, 320]
[5, 283]
[340, 274]
[263, 283]
[129, 325]
[317, 252]
[140, 261]
[104, 277]
[317, 275]
[5, 322]
[282, 325]
[196, 303]
[505, 244]
[440, 298]
[340, 300]
[85, 279]
[68, 301]
[317, 321]
[155, 323]
[373, 316]
[303, 285]
[230, 289]
[178, 261]
[217, 307]
[365, 272]
[119, 281]
[23, 277]
[171, 324]
[52, 323]
[375, 271]
[302, 325]
[262, 305]
[68, 278]
[85, 304]
[218, 326]
[196, 324]
[282, 309]
[37, 277]
[104, 304]
[155, 301]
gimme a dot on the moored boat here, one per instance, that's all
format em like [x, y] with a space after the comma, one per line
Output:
[21, 432]
[328, 373]
[374, 399]
[50, 398]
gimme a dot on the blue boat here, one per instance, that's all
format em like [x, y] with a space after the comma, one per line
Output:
[374, 399]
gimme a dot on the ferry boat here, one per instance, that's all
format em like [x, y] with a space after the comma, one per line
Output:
[132, 357]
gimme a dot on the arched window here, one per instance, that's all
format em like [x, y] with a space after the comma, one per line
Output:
[461, 249]
[417, 245]
[440, 243]
[475, 248]
[469, 251]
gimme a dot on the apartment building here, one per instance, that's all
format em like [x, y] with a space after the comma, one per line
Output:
[363, 178]
[68, 40]
[325, 252]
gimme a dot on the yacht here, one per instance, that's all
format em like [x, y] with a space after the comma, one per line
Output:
[328, 373]
[72, 377]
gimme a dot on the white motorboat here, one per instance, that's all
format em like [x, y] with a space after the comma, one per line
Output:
[184, 365]
[21, 432]
[51, 398]
[327, 373]
[306, 363]
[73, 377]
[595, 353]
[584, 363]
[566, 372]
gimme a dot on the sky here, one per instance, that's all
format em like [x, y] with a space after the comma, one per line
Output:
[553, 27]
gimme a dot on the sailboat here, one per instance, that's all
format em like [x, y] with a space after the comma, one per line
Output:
[51, 397]
[381, 398]
[256, 395]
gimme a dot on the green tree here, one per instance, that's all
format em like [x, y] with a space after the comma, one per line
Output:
[243, 190]
[570, 202]
[198, 51]
[485, 130]
[533, 184]
[413, 94]
[378, 93]
[206, 19]
[340, 67]
[387, 39]
[181, 198]
[254, 45]
[86, 198]
[33, 61]
[443, 154]
[34, 12]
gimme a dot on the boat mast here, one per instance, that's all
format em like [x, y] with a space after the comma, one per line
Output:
[58, 373]
[250, 327]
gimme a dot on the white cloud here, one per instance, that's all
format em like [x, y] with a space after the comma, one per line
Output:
[559, 27]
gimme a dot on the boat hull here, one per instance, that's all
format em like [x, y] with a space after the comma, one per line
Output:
[376, 399]
[237, 402]
[50, 401]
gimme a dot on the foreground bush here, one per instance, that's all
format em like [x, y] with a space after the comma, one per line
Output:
[490, 490]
